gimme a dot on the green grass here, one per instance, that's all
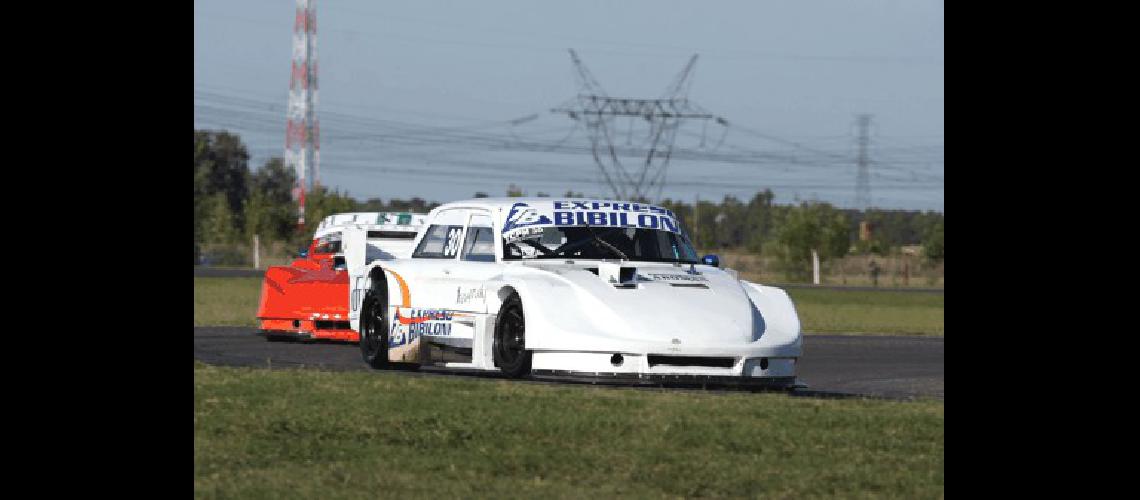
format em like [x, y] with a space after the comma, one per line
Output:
[233, 302]
[306, 433]
[881, 312]
[226, 301]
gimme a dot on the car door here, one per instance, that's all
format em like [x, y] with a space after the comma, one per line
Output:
[428, 290]
[476, 265]
[434, 260]
[463, 281]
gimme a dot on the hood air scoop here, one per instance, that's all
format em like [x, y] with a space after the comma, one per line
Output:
[617, 275]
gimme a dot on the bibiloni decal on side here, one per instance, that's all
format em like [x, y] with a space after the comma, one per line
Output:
[408, 328]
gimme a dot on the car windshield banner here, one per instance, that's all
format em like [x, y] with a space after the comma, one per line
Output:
[527, 219]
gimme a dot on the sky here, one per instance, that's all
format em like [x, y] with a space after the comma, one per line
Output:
[417, 98]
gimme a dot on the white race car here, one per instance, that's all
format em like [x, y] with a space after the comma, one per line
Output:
[579, 288]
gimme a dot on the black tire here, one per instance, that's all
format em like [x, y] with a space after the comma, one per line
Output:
[271, 337]
[374, 330]
[510, 352]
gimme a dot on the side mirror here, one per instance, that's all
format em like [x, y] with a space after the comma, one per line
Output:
[711, 260]
[303, 253]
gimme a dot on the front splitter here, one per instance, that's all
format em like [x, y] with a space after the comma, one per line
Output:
[332, 336]
[774, 383]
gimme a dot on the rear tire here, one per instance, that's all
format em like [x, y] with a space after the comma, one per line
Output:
[510, 339]
[374, 330]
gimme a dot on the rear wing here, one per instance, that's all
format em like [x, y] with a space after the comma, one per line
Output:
[370, 218]
[393, 227]
[332, 225]
[387, 243]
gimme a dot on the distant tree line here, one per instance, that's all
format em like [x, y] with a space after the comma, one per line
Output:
[790, 232]
[232, 203]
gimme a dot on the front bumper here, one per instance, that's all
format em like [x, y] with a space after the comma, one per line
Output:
[303, 329]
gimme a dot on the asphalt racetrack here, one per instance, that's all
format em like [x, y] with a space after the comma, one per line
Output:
[832, 365]
[225, 272]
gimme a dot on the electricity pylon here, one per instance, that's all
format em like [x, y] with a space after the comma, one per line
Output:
[665, 114]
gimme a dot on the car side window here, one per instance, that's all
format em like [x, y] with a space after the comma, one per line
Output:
[440, 242]
[480, 243]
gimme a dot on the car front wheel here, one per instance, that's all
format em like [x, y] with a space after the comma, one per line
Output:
[374, 331]
[510, 339]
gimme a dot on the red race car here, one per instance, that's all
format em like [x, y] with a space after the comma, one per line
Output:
[308, 299]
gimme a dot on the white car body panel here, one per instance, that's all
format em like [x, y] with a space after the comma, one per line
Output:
[576, 320]
[378, 247]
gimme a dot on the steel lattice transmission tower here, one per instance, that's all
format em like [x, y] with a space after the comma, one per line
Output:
[863, 163]
[599, 111]
[302, 132]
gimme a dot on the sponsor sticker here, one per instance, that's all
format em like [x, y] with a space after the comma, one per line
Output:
[523, 233]
[463, 296]
[676, 277]
[587, 213]
[522, 215]
[409, 324]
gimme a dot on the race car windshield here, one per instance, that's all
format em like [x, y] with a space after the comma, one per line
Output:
[585, 242]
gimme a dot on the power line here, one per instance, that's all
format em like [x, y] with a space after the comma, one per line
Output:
[396, 133]
[435, 148]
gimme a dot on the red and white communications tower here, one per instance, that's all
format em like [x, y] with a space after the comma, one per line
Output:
[302, 132]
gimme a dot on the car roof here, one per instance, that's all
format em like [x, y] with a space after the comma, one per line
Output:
[507, 202]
